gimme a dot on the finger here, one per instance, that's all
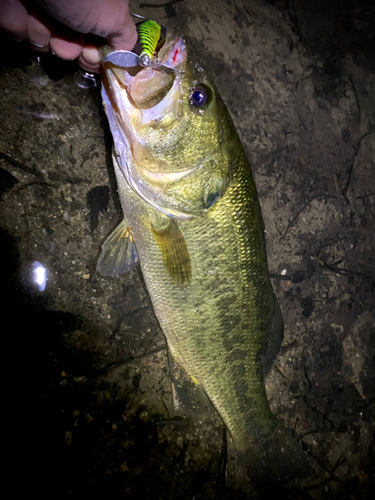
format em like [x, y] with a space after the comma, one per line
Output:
[89, 59]
[13, 19]
[66, 43]
[110, 19]
[126, 37]
[39, 31]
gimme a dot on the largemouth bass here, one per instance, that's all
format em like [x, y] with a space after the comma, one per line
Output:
[192, 218]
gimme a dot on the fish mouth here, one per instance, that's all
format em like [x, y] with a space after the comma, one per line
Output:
[144, 97]
[142, 94]
[150, 85]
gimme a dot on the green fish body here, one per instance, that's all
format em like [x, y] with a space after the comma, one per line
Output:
[192, 217]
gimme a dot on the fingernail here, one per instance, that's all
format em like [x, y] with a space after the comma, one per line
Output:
[88, 67]
[59, 57]
[38, 45]
[35, 47]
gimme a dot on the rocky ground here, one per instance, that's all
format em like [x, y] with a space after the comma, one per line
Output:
[91, 409]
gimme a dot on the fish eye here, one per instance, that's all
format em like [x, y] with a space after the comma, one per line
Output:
[200, 96]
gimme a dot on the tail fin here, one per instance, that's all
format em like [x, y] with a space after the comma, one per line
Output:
[273, 464]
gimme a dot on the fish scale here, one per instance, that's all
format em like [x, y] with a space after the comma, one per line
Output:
[217, 347]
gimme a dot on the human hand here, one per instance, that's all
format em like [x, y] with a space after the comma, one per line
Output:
[60, 25]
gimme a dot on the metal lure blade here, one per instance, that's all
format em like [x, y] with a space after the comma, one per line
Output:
[85, 80]
[126, 59]
[166, 69]
[123, 58]
[138, 16]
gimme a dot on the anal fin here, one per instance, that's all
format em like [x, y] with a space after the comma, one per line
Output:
[190, 394]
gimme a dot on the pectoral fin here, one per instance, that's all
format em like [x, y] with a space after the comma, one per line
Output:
[119, 253]
[174, 251]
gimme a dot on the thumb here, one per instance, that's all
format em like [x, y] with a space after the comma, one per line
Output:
[125, 38]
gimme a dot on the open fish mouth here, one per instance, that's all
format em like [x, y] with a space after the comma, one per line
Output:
[140, 98]
[149, 86]
[142, 94]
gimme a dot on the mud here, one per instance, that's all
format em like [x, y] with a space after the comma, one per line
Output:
[91, 408]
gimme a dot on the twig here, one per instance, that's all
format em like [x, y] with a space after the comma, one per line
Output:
[280, 372]
[356, 97]
[160, 423]
[129, 315]
[21, 166]
[223, 458]
[308, 380]
[294, 19]
[357, 148]
[331, 477]
[342, 270]
[366, 195]
[337, 240]
[145, 5]
[33, 183]
[293, 219]
[116, 364]
[36, 173]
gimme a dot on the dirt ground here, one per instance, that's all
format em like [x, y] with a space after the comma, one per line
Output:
[91, 409]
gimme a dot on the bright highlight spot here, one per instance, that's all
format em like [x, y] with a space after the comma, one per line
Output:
[39, 275]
